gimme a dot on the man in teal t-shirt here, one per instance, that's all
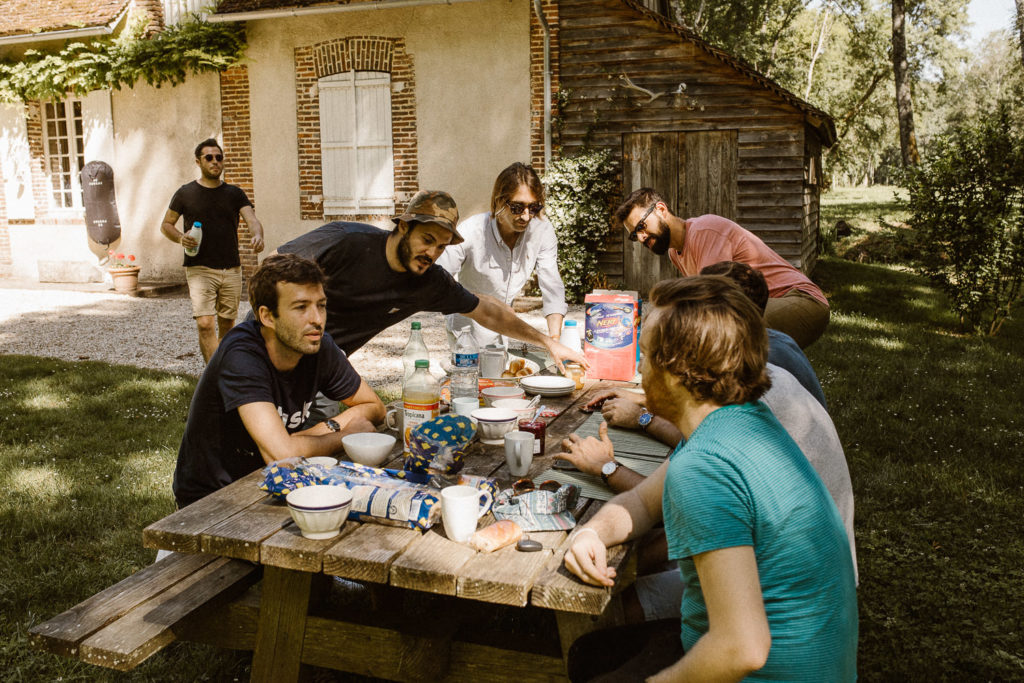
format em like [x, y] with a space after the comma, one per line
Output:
[770, 590]
[742, 481]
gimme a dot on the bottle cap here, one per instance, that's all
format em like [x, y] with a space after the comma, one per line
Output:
[570, 323]
[422, 363]
[415, 325]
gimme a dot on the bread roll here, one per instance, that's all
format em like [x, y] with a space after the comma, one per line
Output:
[515, 366]
[497, 535]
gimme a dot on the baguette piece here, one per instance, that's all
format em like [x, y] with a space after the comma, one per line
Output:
[496, 536]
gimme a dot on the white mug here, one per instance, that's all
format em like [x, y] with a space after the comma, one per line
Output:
[461, 507]
[464, 405]
[519, 452]
[394, 418]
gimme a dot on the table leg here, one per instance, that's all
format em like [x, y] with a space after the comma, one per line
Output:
[572, 625]
[284, 604]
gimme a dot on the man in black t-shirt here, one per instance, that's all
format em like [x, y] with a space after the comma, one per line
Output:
[214, 274]
[377, 278]
[256, 392]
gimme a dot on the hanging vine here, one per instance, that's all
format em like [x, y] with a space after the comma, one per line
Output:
[169, 56]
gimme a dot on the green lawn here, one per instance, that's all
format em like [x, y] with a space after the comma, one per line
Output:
[868, 210]
[931, 421]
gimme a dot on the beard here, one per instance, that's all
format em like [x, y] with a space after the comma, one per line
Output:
[661, 241]
[405, 256]
[296, 340]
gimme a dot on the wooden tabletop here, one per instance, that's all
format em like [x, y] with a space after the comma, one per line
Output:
[241, 521]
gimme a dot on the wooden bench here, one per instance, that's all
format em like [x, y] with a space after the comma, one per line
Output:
[122, 626]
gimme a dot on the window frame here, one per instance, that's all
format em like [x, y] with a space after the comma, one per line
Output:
[73, 155]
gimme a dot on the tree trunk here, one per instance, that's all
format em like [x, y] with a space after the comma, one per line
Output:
[1020, 27]
[900, 68]
[816, 52]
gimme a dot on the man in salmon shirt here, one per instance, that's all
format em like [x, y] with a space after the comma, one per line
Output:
[796, 305]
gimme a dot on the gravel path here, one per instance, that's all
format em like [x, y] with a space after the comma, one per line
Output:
[159, 333]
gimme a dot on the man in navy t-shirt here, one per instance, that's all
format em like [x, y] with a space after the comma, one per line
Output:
[256, 391]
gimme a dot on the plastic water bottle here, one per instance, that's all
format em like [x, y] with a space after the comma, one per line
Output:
[570, 336]
[415, 350]
[421, 398]
[466, 365]
[196, 233]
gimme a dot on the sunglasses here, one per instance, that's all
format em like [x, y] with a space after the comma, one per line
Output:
[517, 208]
[640, 223]
[526, 485]
[211, 157]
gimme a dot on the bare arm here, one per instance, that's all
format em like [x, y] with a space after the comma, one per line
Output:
[624, 517]
[171, 232]
[275, 443]
[589, 455]
[554, 321]
[500, 318]
[622, 408]
[249, 216]
[364, 404]
[738, 639]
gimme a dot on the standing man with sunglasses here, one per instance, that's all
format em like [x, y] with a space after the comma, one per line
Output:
[503, 247]
[214, 275]
[796, 306]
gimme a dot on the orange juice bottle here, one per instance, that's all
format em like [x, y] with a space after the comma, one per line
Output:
[421, 399]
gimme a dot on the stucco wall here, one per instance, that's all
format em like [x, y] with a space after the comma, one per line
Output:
[155, 132]
[471, 63]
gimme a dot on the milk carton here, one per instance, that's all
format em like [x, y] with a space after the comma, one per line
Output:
[610, 336]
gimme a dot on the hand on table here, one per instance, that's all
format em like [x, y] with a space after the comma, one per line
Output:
[587, 558]
[589, 454]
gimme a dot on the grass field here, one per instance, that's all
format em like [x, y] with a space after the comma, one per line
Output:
[932, 423]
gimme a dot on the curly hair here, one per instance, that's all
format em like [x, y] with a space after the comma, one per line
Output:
[508, 182]
[208, 142]
[281, 268]
[751, 281]
[644, 197]
[709, 335]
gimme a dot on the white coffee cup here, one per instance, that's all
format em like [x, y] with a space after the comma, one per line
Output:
[394, 418]
[464, 405]
[461, 507]
[519, 452]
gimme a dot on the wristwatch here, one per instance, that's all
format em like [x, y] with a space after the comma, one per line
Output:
[608, 469]
[645, 419]
[332, 425]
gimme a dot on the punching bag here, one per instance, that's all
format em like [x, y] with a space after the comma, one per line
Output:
[101, 219]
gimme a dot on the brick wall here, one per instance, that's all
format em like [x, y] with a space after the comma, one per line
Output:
[234, 121]
[37, 160]
[550, 9]
[358, 53]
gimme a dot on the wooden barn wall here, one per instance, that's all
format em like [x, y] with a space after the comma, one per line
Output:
[812, 197]
[600, 40]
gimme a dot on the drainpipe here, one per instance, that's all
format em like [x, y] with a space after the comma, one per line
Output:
[547, 82]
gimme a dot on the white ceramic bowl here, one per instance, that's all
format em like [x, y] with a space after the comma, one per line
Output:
[320, 511]
[492, 394]
[494, 423]
[368, 448]
[322, 460]
[520, 406]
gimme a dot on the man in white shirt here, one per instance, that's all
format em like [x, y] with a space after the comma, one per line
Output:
[501, 250]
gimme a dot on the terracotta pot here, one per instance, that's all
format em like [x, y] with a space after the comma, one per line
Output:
[126, 279]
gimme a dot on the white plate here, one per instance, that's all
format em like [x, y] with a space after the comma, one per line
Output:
[532, 365]
[548, 385]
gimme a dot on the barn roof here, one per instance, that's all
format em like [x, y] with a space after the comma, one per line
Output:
[38, 18]
[815, 117]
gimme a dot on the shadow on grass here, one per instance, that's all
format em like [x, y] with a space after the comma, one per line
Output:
[931, 421]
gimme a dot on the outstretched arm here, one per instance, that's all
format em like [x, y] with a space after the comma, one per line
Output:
[500, 318]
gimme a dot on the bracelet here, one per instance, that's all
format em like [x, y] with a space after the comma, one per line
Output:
[586, 528]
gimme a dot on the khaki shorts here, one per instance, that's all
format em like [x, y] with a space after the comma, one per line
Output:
[214, 291]
[799, 315]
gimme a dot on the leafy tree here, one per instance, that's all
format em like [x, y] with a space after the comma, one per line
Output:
[904, 101]
[967, 204]
[580, 191]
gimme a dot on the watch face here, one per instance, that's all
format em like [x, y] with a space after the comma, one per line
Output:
[645, 419]
[333, 426]
[608, 469]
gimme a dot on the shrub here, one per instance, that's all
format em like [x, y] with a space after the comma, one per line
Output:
[967, 205]
[580, 191]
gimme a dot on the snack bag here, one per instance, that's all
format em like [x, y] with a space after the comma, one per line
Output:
[439, 444]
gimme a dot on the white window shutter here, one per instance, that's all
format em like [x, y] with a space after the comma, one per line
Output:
[356, 150]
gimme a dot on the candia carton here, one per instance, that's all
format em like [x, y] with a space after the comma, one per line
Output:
[610, 337]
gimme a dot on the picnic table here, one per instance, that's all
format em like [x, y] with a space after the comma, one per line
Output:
[432, 599]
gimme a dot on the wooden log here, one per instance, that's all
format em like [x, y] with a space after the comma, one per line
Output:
[368, 552]
[147, 628]
[559, 590]
[240, 536]
[284, 603]
[181, 530]
[504, 577]
[62, 634]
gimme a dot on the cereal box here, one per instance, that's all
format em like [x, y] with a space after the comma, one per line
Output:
[610, 336]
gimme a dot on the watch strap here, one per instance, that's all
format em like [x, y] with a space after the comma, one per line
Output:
[332, 425]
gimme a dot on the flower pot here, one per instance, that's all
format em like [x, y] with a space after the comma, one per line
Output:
[126, 279]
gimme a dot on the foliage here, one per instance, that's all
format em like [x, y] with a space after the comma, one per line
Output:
[967, 204]
[580, 191]
[119, 260]
[165, 57]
